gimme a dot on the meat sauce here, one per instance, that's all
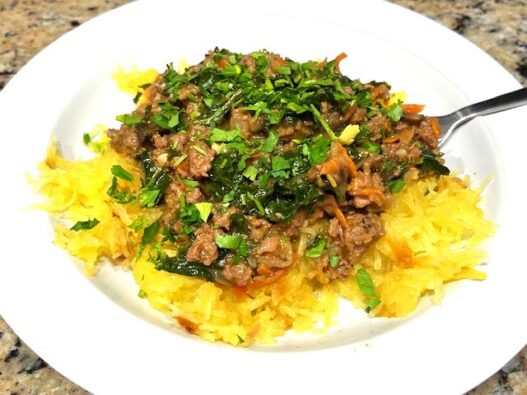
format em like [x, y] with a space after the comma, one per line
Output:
[244, 151]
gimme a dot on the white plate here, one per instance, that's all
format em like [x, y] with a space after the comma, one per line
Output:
[99, 334]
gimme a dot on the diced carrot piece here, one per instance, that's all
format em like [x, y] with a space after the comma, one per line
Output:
[436, 129]
[413, 108]
[340, 57]
[329, 167]
[223, 63]
[371, 192]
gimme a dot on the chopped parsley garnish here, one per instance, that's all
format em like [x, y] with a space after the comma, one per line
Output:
[270, 142]
[199, 150]
[371, 147]
[150, 233]
[316, 248]
[119, 172]
[432, 165]
[85, 225]
[121, 197]
[155, 182]
[396, 186]
[219, 135]
[148, 197]
[189, 183]
[204, 209]
[230, 242]
[394, 112]
[279, 165]
[334, 261]
[251, 172]
[367, 289]
[129, 119]
[189, 214]
[319, 150]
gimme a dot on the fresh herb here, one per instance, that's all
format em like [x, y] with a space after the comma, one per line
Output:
[251, 172]
[119, 172]
[121, 197]
[322, 122]
[363, 98]
[138, 223]
[179, 265]
[334, 261]
[129, 119]
[224, 136]
[155, 183]
[319, 150]
[279, 165]
[150, 233]
[85, 225]
[371, 147]
[189, 214]
[367, 289]
[86, 138]
[167, 117]
[230, 242]
[396, 186]
[199, 150]
[149, 197]
[394, 112]
[204, 209]
[179, 160]
[189, 183]
[316, 248]
[431, 165]
[270, 142]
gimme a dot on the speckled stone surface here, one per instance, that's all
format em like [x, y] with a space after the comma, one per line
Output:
[26, 26]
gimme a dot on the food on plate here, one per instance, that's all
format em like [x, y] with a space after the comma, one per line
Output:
[249, 192]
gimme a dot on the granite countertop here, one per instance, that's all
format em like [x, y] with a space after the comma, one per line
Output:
[499, 27]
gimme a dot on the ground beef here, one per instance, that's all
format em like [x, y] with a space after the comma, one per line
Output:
[259, 228]
[377, 126]
[204, 248]
[355, 114]
[297, 129]
[302, 218]
[372, 163]
[274, 252]
[171, 200]
[335, 230]
[249, 61]
[160, 141]
[187, 90]
[245, 122]
[361, 230]
[367, 189]
[195, 196]
[426, 133]
[401, 153]
[380, 92]
[199, 163]
[239, 275]
[223, 219]
[342, 271]
[127, 140]
[334, 117]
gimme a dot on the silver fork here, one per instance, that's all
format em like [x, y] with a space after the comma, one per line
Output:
[450, 122]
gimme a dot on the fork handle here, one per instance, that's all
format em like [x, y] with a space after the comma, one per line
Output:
[496, 104]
